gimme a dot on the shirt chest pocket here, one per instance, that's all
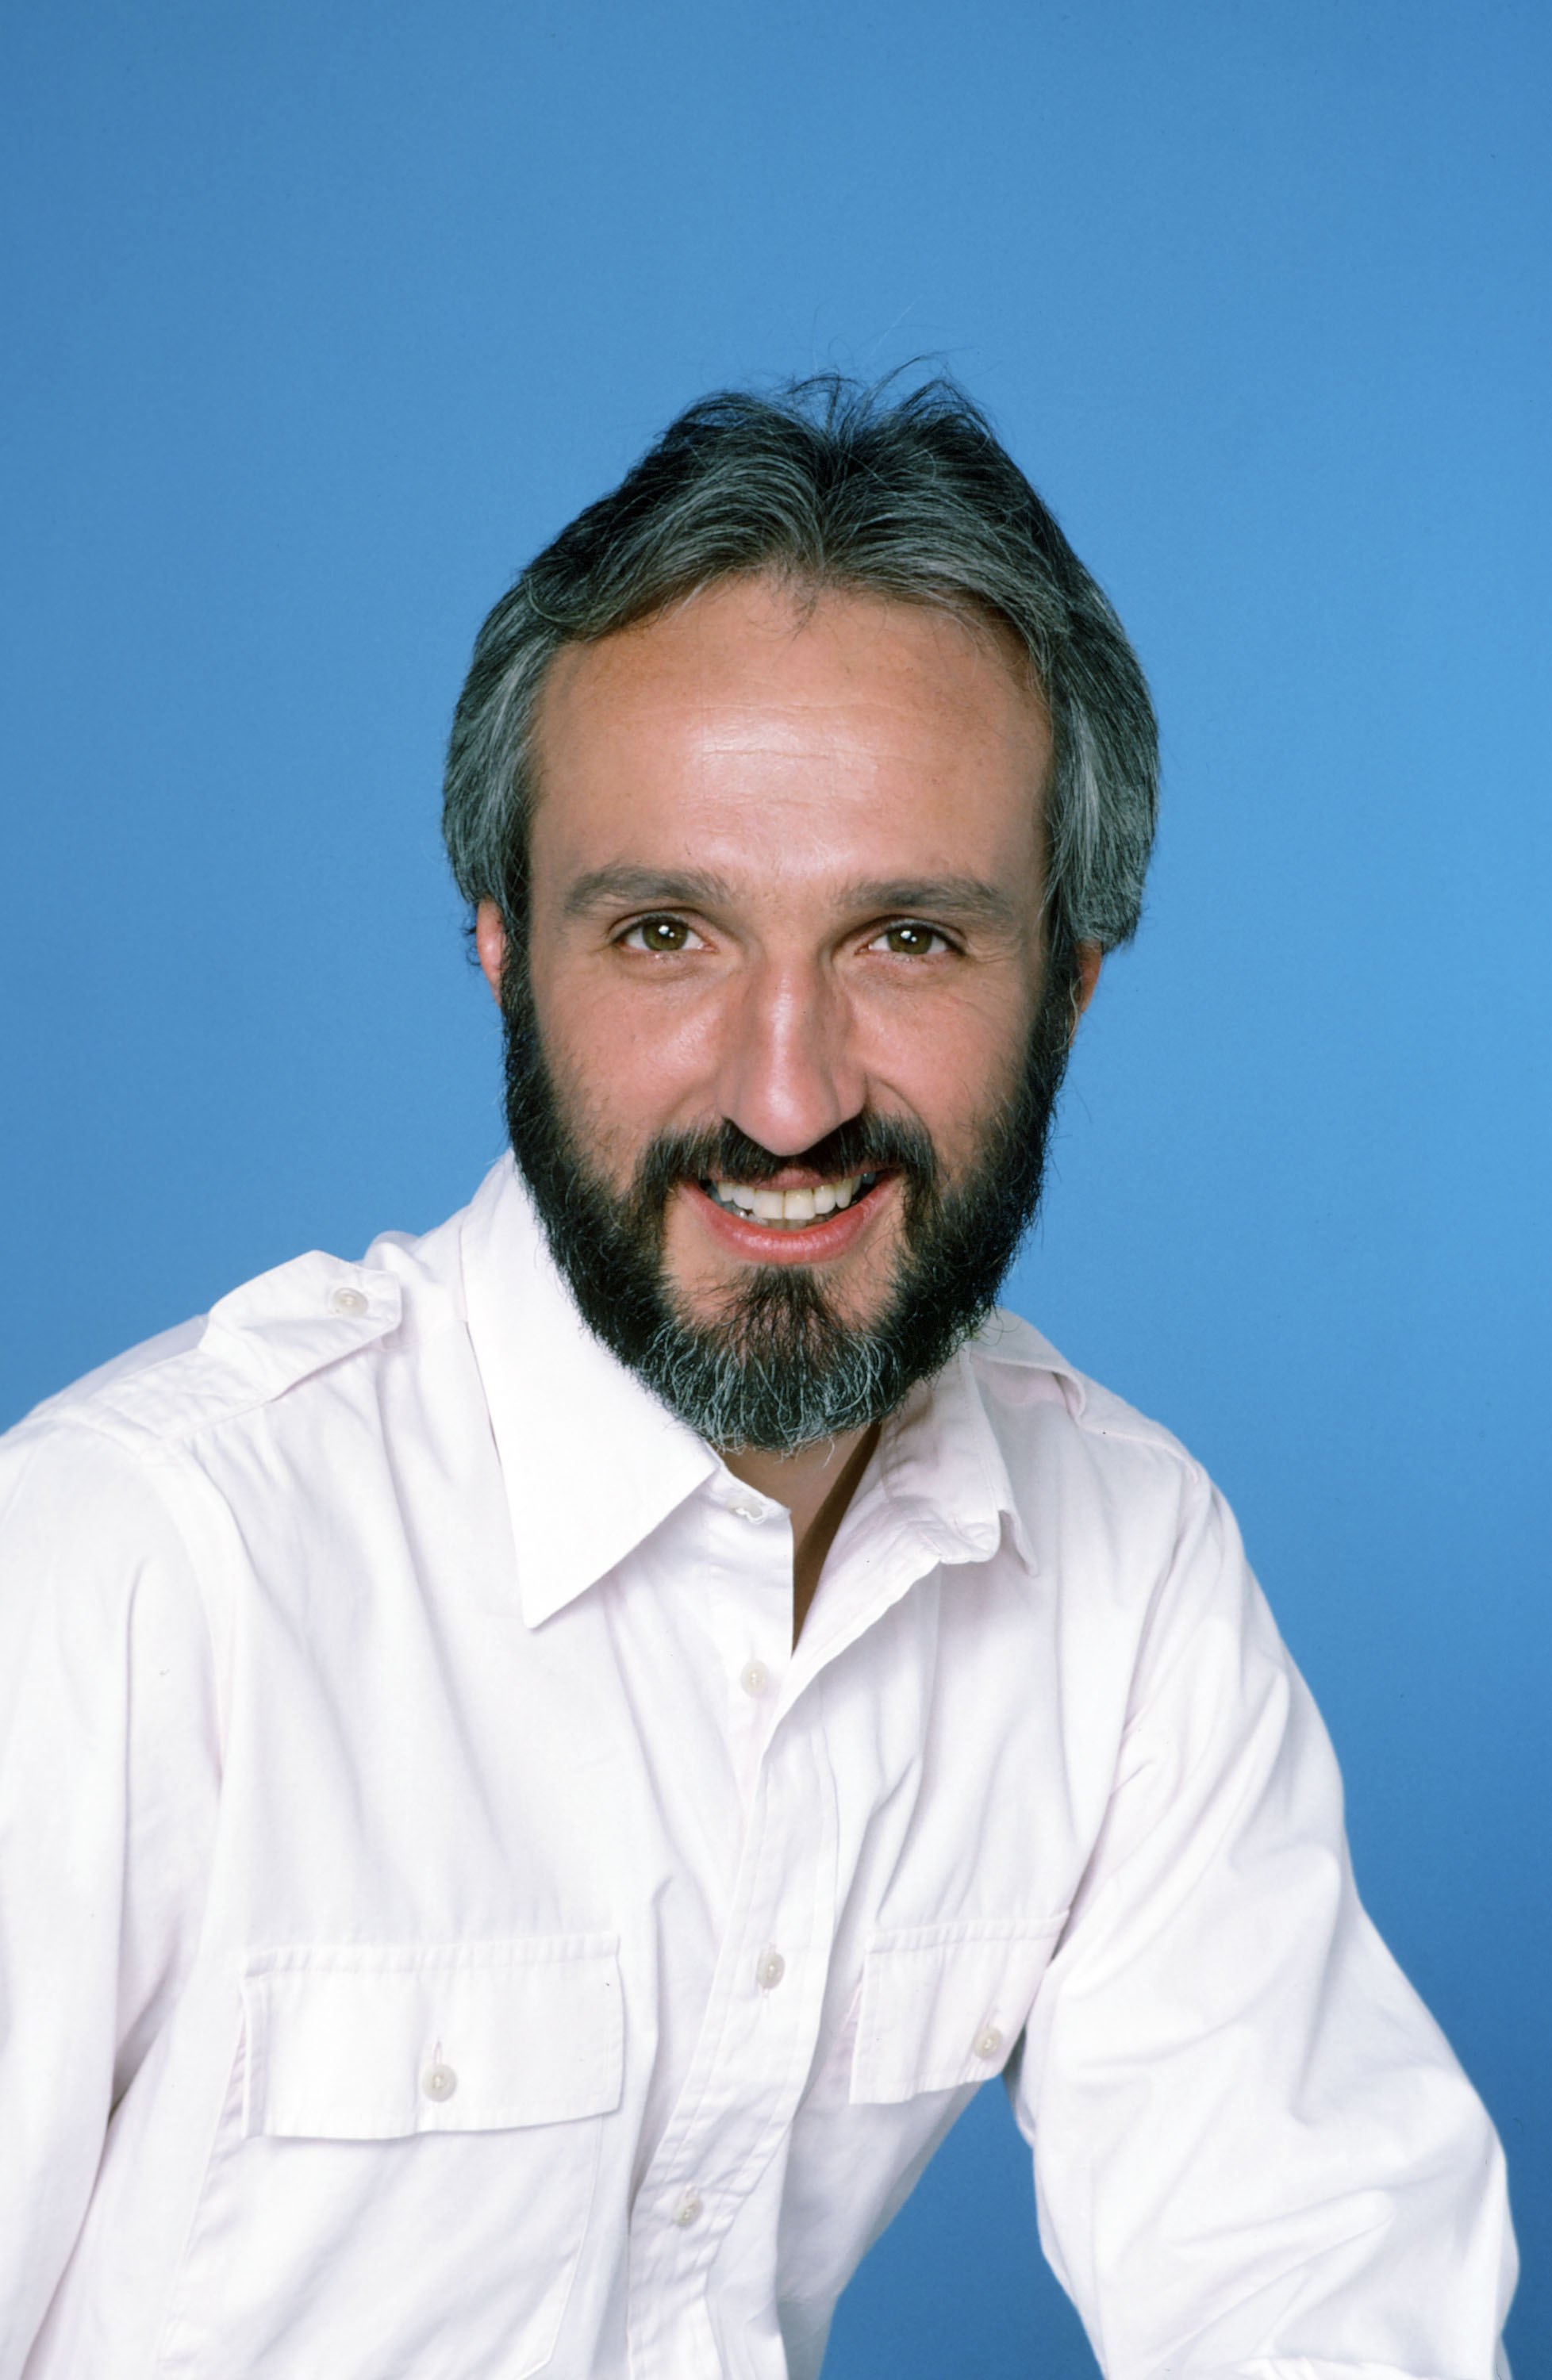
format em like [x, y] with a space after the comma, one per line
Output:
[942, 2006]
[364, 2044]
[405, 2173]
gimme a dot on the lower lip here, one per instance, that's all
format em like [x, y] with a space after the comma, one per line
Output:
[756, 1243]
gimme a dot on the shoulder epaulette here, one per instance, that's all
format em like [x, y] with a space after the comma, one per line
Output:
[256, 1342]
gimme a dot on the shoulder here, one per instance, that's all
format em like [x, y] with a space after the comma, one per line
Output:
[1119, 1517]
[1032, 1394]
[265, 1342]
[1107, 1497]
[116, 1495]
[254, 1345]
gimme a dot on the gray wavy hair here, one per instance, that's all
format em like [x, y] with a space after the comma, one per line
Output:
[830, 484]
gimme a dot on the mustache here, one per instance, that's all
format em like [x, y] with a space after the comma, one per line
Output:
[864, 1144]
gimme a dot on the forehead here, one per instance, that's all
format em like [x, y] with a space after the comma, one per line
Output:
[752, 687]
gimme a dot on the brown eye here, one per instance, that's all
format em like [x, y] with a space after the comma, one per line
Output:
[664, 934]
[909, 941]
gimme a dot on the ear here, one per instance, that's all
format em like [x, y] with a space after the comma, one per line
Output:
[1090, 958]
[490, 940]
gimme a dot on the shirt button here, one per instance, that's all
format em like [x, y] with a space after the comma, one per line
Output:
[439, 2083]
[745, 1512]
[754, 1676]
[769, 1969]
[988, 2041]
[688, 2210]
[348, 1301]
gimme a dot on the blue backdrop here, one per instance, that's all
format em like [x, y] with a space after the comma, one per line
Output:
[321, 318]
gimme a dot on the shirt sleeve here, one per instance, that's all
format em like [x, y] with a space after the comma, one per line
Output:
[108, 1780]
[1256, 2157]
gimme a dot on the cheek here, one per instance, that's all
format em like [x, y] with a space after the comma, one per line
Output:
[634, 1054]
[623, 1075]
[954, 1069]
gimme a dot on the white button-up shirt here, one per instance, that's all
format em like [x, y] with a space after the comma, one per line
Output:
[447, 1931]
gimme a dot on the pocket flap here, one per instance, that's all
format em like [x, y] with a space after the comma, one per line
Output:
[369, 2042]
[944, 2005]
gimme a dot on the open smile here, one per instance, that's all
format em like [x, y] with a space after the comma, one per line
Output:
[792, 1210]
[791, 1223]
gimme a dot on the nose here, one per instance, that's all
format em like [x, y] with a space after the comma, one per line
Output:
[788, 1072]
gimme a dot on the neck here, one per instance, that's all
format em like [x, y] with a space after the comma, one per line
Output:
[816, 1485]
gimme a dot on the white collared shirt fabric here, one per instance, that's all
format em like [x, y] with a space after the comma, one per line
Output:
[447, 1932]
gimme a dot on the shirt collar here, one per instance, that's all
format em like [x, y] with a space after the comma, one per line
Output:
[591, 1461]
[945, 1473]
[594, 1461]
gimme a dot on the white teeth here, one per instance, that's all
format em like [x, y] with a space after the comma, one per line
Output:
[792, 1207]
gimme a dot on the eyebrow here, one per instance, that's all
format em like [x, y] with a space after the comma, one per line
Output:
[691, 889]
[954, 897]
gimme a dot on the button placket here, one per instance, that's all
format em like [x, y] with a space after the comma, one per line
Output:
[747, 1610]
[756, 2039]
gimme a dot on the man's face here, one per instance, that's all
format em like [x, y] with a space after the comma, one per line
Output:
[785, 872]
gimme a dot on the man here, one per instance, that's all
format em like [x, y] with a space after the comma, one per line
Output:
[544, 1767]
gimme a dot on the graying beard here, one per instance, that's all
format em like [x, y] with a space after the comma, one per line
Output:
[742, 1389]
